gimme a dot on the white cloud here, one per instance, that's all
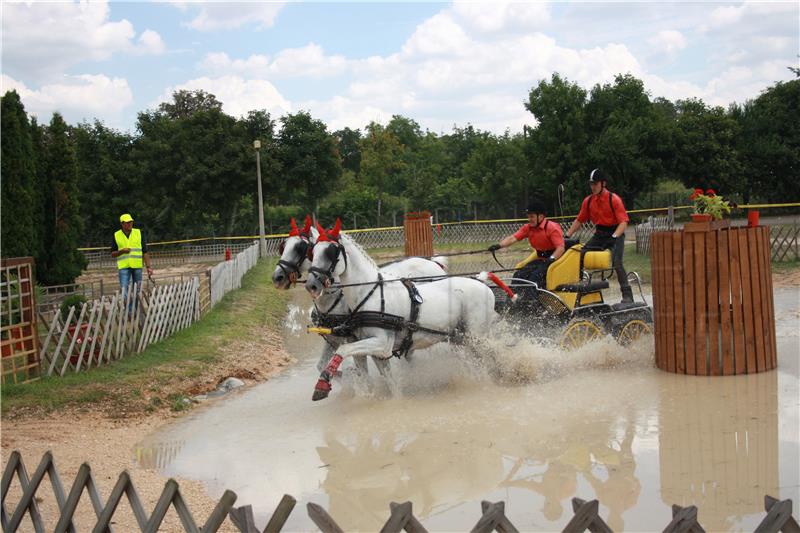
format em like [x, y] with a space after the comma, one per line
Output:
[309, 60]
[150, 43]
[229, 16]
[439, 35]
[238, 95]
[76, 97]
[502, 16]
[43, 39]
[668, 41]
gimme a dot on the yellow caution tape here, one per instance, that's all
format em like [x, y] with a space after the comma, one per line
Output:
[494, 221]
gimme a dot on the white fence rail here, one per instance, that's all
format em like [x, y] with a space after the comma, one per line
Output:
[113, 327]
[227, 275]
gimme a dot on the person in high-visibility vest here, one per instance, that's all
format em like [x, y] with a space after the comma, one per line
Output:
[130, 250]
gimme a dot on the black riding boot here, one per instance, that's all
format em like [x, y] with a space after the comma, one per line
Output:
[627, 295]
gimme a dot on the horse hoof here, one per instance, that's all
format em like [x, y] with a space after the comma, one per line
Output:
[321, 390]
[319, 395]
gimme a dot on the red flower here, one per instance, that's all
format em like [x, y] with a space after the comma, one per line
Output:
[710, 192]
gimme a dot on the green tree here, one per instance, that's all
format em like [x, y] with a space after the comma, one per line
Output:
[349, 151]
[63, 223]
[19, 234]
[184, 104]
[706, 154]
[557, 145]
[770, 143]
[106, 178]
[629, 138]
[308, 158]
[381, 161]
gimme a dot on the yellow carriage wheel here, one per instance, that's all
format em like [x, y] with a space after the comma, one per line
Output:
[632, 331]
[580, 332]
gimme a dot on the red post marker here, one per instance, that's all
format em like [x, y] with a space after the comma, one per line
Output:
[752, 218]
[497, 281]
[227, 254]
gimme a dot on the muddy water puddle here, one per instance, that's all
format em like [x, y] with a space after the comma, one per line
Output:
[600, 423]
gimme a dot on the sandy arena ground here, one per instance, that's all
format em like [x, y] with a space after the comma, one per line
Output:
[107, 444]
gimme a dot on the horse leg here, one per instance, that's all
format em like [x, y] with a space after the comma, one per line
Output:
[380, 344]
[325, 356]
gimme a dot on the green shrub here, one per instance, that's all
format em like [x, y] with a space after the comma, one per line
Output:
[73, 300]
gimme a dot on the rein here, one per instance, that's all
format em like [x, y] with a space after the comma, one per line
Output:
[419, 278]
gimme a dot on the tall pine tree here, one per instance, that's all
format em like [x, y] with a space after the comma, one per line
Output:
[19, 236]
[62, 220]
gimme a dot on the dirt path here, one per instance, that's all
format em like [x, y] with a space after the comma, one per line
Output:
[107, 443]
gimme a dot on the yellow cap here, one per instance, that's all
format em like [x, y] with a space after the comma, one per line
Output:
[126, 218]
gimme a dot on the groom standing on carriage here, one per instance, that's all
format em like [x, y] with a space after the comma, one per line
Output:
[546, 239]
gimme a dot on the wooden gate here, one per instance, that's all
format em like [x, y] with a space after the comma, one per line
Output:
[18, 334]
[419, 234]
[712, 300]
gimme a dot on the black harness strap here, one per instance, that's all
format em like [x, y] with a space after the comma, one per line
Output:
[411, 324]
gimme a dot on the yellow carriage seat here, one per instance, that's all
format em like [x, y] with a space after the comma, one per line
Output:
[567, 270]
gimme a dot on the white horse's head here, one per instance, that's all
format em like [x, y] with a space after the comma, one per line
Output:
[295, 256]
[329, 260]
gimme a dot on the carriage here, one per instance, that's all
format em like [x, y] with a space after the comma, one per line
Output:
[571, 309]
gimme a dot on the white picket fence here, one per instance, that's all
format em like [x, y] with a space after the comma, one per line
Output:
[227, 276]
[113, 327]
[117, 325]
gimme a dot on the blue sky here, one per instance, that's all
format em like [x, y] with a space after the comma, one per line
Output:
[442, 64]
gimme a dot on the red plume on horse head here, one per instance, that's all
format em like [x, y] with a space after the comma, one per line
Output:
[294, 232]
[334, 233]
[323, 235]
[307, 226]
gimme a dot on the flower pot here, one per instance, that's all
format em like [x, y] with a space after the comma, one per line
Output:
[701, 217]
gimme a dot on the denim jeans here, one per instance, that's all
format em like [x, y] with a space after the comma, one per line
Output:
[128, 276]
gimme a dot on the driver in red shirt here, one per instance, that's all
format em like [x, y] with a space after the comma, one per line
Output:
[545, 237]
[607, 212]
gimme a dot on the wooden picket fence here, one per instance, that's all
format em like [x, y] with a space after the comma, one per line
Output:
[401, 517]
[785, 242]
[113, 327]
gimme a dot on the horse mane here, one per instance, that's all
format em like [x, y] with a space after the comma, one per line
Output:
[360, 249]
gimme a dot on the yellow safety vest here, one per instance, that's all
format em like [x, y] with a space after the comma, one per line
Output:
[134, 242]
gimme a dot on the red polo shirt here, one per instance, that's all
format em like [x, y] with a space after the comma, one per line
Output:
[601, 211]
[546, 236]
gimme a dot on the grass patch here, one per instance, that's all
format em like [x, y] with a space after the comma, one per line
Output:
[145, 381]
[785, 266]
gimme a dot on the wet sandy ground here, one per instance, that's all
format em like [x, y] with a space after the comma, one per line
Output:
[599, 423]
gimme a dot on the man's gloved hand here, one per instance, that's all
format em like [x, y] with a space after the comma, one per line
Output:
[494, 247]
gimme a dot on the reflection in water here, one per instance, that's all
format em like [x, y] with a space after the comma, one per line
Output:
[621, 431]
[158, 455]
[719, 449]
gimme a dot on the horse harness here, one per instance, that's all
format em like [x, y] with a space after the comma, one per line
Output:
[294, 268]
[376, 319]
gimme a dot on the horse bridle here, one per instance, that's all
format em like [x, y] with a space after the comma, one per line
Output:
[290, 268]
[327, 275]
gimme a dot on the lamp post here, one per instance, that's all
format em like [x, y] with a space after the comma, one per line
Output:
[262, 248]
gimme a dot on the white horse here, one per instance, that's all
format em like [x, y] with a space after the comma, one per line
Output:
[330, 306]
[386, 320]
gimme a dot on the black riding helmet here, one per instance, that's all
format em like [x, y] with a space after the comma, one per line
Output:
[597, 175]
[536, 207]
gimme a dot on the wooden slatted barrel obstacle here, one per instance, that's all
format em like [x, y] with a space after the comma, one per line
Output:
[419, 234]
[713, 305]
